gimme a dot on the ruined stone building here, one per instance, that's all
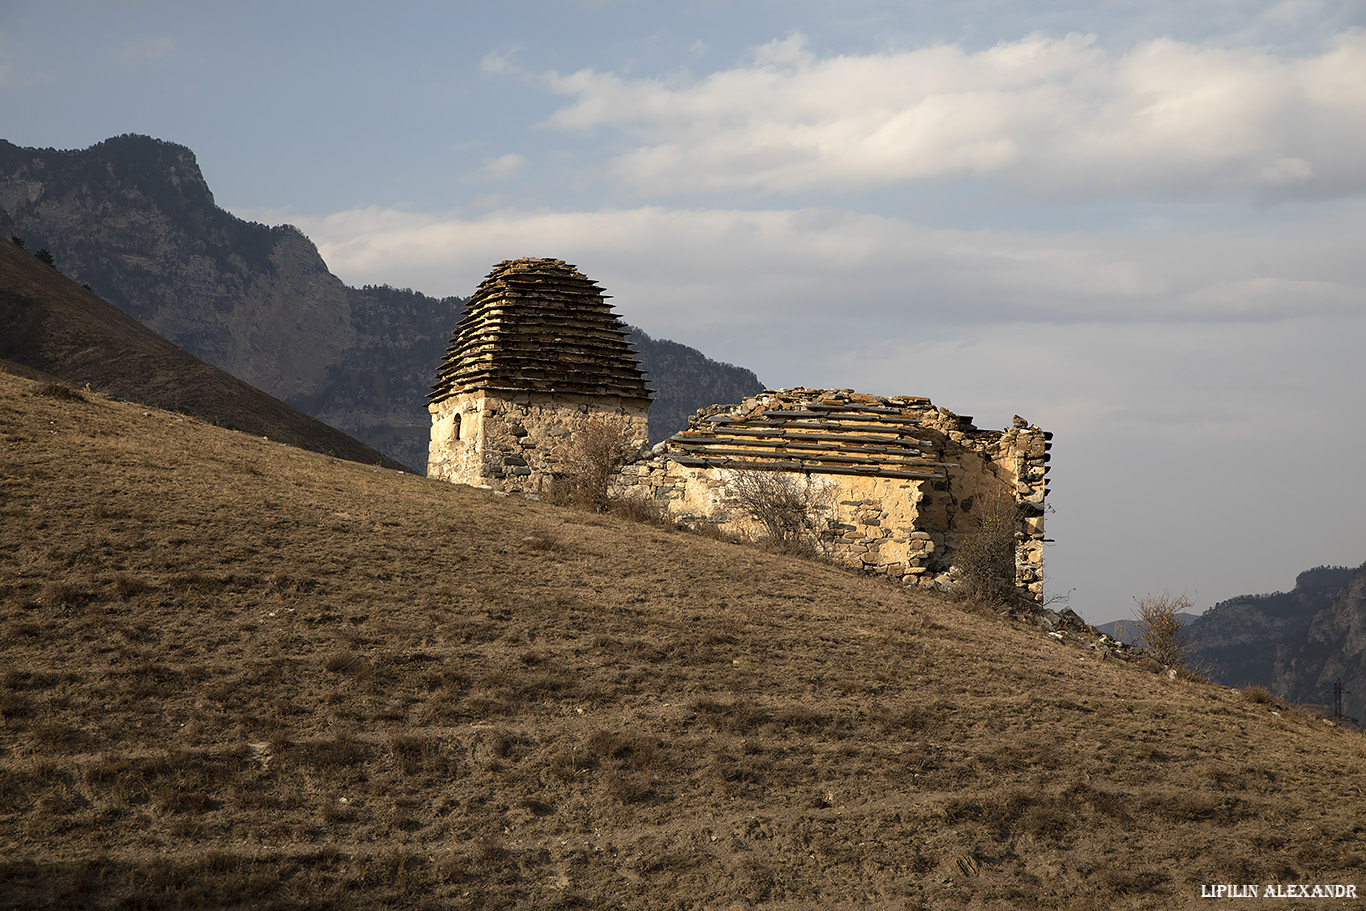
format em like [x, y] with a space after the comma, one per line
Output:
[538, 354]
[897, 483]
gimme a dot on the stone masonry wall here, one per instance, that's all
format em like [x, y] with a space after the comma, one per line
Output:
[907, 528]
[1006, 466]
[517, 441]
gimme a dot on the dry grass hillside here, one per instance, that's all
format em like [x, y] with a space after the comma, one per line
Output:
[233, 673]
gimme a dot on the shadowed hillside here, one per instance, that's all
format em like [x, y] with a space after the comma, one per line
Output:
[234, 673]
[51, 324]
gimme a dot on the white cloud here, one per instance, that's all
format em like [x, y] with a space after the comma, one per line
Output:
[500, 62]
[502, 167]
[1051, 115]
[691, 266]
[791, 51]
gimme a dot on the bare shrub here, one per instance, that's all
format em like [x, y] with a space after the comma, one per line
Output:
[788, 509]
[65, 595]
[347, 662]
[597, 450]
[60, 391]
[548, 541]
[985, 557]
[1159, 625]
[635, 509]
[126, 587]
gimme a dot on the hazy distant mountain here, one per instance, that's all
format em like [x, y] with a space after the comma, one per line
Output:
[134, 218]
[1295, 643]
[1127, 630]
[57, 329]
[685, 380]
[1241, 639]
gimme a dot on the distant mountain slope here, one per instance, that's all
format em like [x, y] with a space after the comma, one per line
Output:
[134, 218]
[1295, 643]
[1127, 630]
[1334, 648]
[1240, 639]
[50, 324]
[685, 380]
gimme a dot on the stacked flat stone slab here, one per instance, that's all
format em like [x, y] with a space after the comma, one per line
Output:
[540, 325]
[538, 354]
[902, 481]
[837, 433]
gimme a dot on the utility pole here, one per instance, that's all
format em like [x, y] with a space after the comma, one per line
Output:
[1337, 700]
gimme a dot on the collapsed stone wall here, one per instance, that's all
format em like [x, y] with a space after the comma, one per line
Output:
[897, 482]
[518, 441]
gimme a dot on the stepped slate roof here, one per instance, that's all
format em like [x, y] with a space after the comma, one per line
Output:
[825, 431]
[539, 325]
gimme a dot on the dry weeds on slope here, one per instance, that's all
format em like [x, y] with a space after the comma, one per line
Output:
[234, 673]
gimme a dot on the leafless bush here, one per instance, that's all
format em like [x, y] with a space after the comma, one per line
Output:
[348, 663]
[635, 509]
[1159, 625]
[60, 391]
[126, 587]
[788, 509]
[65, 595]
[985, 557]
[549, 541]
[596, 452]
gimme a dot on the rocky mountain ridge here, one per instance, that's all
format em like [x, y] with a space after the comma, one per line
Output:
[1333, 648]
[134, 218]
[1295, 643]
[53, 330]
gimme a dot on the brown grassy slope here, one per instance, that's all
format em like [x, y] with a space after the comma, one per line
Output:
[234, 673]
[52, 324]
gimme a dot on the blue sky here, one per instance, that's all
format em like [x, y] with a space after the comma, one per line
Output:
[1139, 224]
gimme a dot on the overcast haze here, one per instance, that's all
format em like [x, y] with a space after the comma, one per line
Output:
[1139, 225]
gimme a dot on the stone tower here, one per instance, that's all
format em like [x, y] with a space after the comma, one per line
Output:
[538, 355]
